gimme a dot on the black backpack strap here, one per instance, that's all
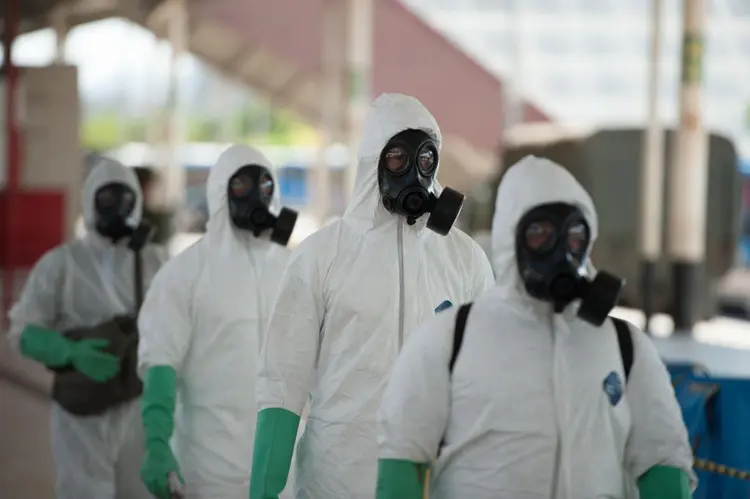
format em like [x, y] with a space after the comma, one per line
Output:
[458, 339]
[625, 339]
[138, 280]
[458, 333]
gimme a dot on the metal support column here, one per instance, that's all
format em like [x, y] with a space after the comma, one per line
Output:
[360, 38]
[13, 151]
[59, 22]
[689, 177]
[513, 105]
[174, 176]
[652, 173]
[333, 55]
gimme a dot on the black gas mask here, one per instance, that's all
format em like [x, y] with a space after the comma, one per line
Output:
[113, 204]
[552, 245]
[406, 176]
[249, 192]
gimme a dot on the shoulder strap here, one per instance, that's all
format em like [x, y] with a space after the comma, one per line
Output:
[458, 339]
[458, 333]
[138, 280]
[625, 341]
[61, 287]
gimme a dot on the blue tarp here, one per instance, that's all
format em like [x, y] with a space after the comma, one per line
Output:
[717, 415]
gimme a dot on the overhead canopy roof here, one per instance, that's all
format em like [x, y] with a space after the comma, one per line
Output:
[275, 47]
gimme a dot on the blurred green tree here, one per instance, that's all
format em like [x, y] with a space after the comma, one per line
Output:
[102, 131]
[252, 119]
[253, 123]
[136, 129]
[202, 129]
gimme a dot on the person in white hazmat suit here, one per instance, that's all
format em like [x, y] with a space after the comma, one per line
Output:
[81, 284]
[201, 327]
[349, 295]
[527, 395]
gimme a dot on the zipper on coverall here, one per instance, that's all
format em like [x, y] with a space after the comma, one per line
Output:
[400, 244]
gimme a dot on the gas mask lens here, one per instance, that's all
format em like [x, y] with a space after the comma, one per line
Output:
[578, 236]
[112, 198]
[396, 160]
[105, 198]
[426, 159]
[540, 236]
[241, 185]
[266, 186]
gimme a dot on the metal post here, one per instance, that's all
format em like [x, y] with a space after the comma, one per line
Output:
[360, 34]
[174, 175]
[513, 105]
[154, 118]
[689, 177]
[13, 133]
[226, 111]
[652, 173]
[332, 58]
[59, 21]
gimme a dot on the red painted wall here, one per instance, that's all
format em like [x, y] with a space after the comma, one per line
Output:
[39, 226]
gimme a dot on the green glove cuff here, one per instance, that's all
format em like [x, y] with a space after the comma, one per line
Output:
[399, 479]
[275, 435]
[46, 346]
[157, 406]
[664, 482]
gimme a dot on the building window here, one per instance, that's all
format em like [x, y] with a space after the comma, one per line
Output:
[718, 85]
[601, 43]
[739, 7]
[485, 4]
[612, 85]
[560, 84]
[744, 43]
[595, 6]
[496, 40]
[553, 43]
[716, 46]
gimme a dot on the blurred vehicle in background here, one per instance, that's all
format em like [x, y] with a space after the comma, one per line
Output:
[744, 244]
[734, 290]
[608, 165]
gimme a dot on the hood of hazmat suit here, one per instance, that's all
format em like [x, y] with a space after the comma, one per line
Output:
[537, 404]
[81, 284]
[204, 317]
[349, 296]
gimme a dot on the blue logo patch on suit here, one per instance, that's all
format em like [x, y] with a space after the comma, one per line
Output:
[446, 304]
[612, 386]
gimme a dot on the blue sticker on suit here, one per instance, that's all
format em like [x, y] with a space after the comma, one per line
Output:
[613, 387]
[446, 304]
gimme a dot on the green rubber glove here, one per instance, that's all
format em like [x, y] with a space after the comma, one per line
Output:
[54, 350]
[664, 482]
[275, 434]
[157, 411]
[399, 479]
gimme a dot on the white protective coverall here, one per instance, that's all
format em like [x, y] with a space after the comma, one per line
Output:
[204, 316]
[81, 284]
[525, 414]
[350, 293]
[484, 240]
